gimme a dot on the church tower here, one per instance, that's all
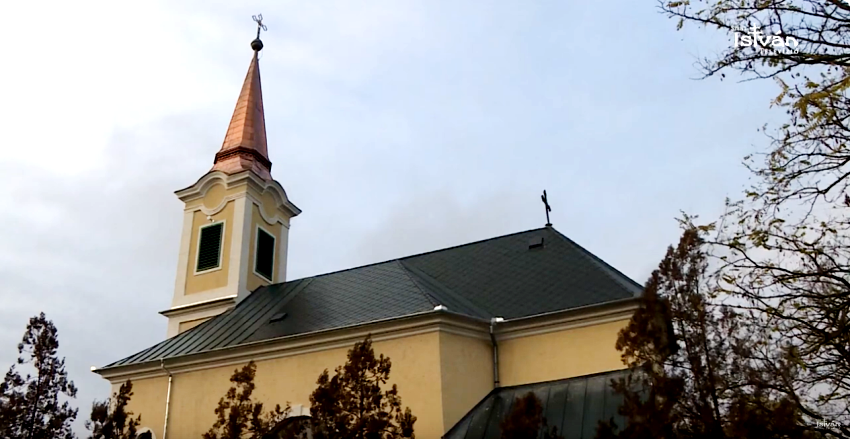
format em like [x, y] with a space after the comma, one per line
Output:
[235, 221]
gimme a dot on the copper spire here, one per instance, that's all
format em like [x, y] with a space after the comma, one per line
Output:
[245, 146]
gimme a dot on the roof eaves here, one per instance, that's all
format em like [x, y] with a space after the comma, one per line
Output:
[299, 335]
[578, 309]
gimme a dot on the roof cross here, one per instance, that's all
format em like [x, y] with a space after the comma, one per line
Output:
[260, 25]
[548, 209]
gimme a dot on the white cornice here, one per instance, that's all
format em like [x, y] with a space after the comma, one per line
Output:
[416, 324]
[197, 190]
[198, 306]
[567, 319]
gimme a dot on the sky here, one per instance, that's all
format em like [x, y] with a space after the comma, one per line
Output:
[398, 127]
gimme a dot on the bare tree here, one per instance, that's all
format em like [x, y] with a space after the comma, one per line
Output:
[783, 247]
[696, 368]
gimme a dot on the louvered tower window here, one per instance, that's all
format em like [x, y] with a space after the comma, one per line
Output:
[209, 247]
[264, 259]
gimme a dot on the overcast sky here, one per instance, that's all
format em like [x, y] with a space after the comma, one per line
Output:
[396, 126]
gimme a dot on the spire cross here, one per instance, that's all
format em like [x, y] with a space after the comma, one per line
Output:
[260, 25]
[548, 209]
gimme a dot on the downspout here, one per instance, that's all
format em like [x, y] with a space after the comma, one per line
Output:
[493, 322]
[167, 398]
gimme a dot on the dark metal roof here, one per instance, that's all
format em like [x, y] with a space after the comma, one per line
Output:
[574, 405]
[498, 277]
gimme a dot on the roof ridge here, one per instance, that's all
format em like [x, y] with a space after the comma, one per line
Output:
[387, 261]
[433, 300]
[424, 277]
[607, 268]
[481, 241]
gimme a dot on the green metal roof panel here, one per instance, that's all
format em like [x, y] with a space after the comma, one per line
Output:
[574, 405]
[498, 277]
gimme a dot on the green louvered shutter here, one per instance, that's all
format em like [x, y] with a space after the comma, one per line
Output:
[209, 250]
[264, 260]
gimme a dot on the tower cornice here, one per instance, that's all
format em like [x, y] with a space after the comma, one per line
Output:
[253, 181]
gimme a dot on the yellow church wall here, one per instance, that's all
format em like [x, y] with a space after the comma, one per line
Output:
[148, 401]
[189, 324]
[195, 394]
[562, 354]
[466, 364]
[196, 283]
[269, 204]
[214, 195]
[255, 281]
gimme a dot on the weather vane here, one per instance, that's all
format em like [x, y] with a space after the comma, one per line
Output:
[548, 209]
[257, 45]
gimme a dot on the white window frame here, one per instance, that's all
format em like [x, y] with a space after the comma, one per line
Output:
[220, 247]
[257, 251]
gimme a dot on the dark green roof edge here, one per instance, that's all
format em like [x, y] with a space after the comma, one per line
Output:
[617, 275]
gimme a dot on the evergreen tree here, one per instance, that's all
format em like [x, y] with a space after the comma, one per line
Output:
[353, 405]
[699, 369]
[238, 416]
[526, 419]
[31, 406]
[110, 418]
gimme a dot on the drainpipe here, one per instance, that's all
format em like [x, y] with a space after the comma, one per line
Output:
[493, 322]
[167, 397]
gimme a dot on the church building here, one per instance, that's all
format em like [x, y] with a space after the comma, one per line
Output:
[468, 328]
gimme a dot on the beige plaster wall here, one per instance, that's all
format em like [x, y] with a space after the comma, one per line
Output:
[255, 281]
[563, 354]
[196, 283]
[194, 396]
[189, 324]
[466, 364]
[440, 375]
[148, 400]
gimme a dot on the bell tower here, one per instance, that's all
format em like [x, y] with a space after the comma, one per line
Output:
[235, 221]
